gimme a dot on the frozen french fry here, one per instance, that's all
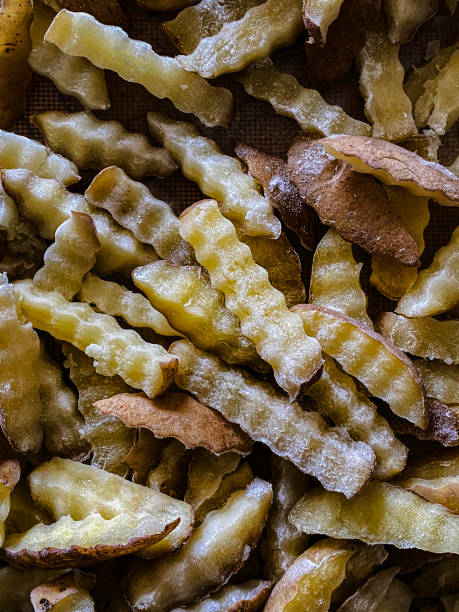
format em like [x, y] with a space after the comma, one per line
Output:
[144, 455]
[360, 566]
[440, 380]
[63, 593]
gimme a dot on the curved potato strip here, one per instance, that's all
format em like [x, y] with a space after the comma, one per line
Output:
[268, 417]
[306, 106]
[248, 597]
[114, 350]
[414, 84]
[335, 278]
[219, 176]
[380, 514]
[369, 357]
[9, 477]
[318, 15]
[372, 593]
[64, 594]
[278, 336]
[440, 380]
[134, 207]
[135, 61]
[404, 18]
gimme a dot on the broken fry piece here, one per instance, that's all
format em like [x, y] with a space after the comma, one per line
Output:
[318, 15]
[63, 593]
[10, 473]
[249, 596]
[404, 18]
[372, 593]
[440, 380]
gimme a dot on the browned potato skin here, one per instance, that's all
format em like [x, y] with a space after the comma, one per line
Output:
[105, 11]
[49, 594]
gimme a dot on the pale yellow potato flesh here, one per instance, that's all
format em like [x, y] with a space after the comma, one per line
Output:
[249, 596]
[215, 550]
[217, 175]
[9, 476]
[114, 350]
[109, 47]
[267, 416]
[306, 106]
[372, 593]
[261, 30]
[335, 278]
[265, 319]
[47, 204]
[370, 358]
[404, 17]
[64, 594]
[380, 514]
[440, 380]
[398, 598]
[321, 13]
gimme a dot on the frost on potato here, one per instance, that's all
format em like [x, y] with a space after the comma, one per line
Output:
[440, 380]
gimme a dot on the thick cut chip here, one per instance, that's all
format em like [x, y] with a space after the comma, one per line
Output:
[398, 598]
[16, 584]
[437, 578]
[48, 204]
[247, 597]
[337, 397]
[261, 31]
[114, 350]
[70, 257]
[189, 302]
[380, 514]
[9, 476]
[178, 415]
[370, 357]
[215, 551]
[268, 417]
[318, 15]
[20, 403]
[15, 17]
[440, 380]
[395, 165]
[219, 176]
[134, 207]
[63, 594]
[387, 106]
[265, 318]
[372, 593]
[73, 76]
[335, 278]
[423, 337]
[359, 567]
[355, 205]
[106, 11]
[306, 106]
[404, 17]
[135, 61]
[169, 476]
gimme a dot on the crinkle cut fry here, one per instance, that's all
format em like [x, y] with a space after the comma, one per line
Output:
[440, 380]
[265, 319]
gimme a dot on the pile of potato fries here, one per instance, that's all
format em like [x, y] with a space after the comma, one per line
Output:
[192, 416]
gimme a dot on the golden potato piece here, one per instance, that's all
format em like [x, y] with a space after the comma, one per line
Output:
[63, 594]
[106, 11]
[437, 578]
[144, 455]
[268, 417]
[370, 357]
[215, 550]
[249, 597]
[306, 106]
[380, 514]
[404, 18]
[16, 584]
[219, 176]
[355, 205]
[178, 415]
[265, 319]
[135, 61]
[10, 473]
[169, 476]
[440, 380]
[318, 15]
[372, 593]
[398, 598]
[394, 165]
[114, 350]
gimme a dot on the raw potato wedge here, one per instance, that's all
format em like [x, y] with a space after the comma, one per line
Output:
[268, 417]
[135, 61]
[169, 476]
[437, 287]
[355, 205]
[73, 76]
[398, 598]
[217, 175]
[92, 143]
[10, 473]
[335, 278]
[48, 204]
[215, 550]
[370, 358]
[404, 17]
[440, 380]
[395, 165]
[380, 514]
[16, 584]
[72, 254]
[318, 15]
[261, 31]
[265, 318]
[372, 593]
[437, 578]
[306, 106]
[15, 75]
[63, 594]
[134, 207]
[178, 415]
[247, 597]
[114, 350]
[423, 337]
[106, 11]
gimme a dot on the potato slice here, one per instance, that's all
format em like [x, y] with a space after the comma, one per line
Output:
[440, 380]
[169, 476]
[114, 350]
[380, 513]
[92, 143]
[63, 594]
[394, 165]
[178, 415]
[423, 337]
[134, 207]
[135, 61]
[372, 593]
[10, 473]
[398, 598]
[106, 11]
[215, 550]
[219, 176]
[359, 567]
[318, 15]
[437, 578]
[404, 18]
[306, 106]
[261, 31]
[370, 357]
[335, 278]
[144, 455]
[16, 584]
[355, 205]
[268, 417]
[336, 397]
[73, 76]
[248, 597]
